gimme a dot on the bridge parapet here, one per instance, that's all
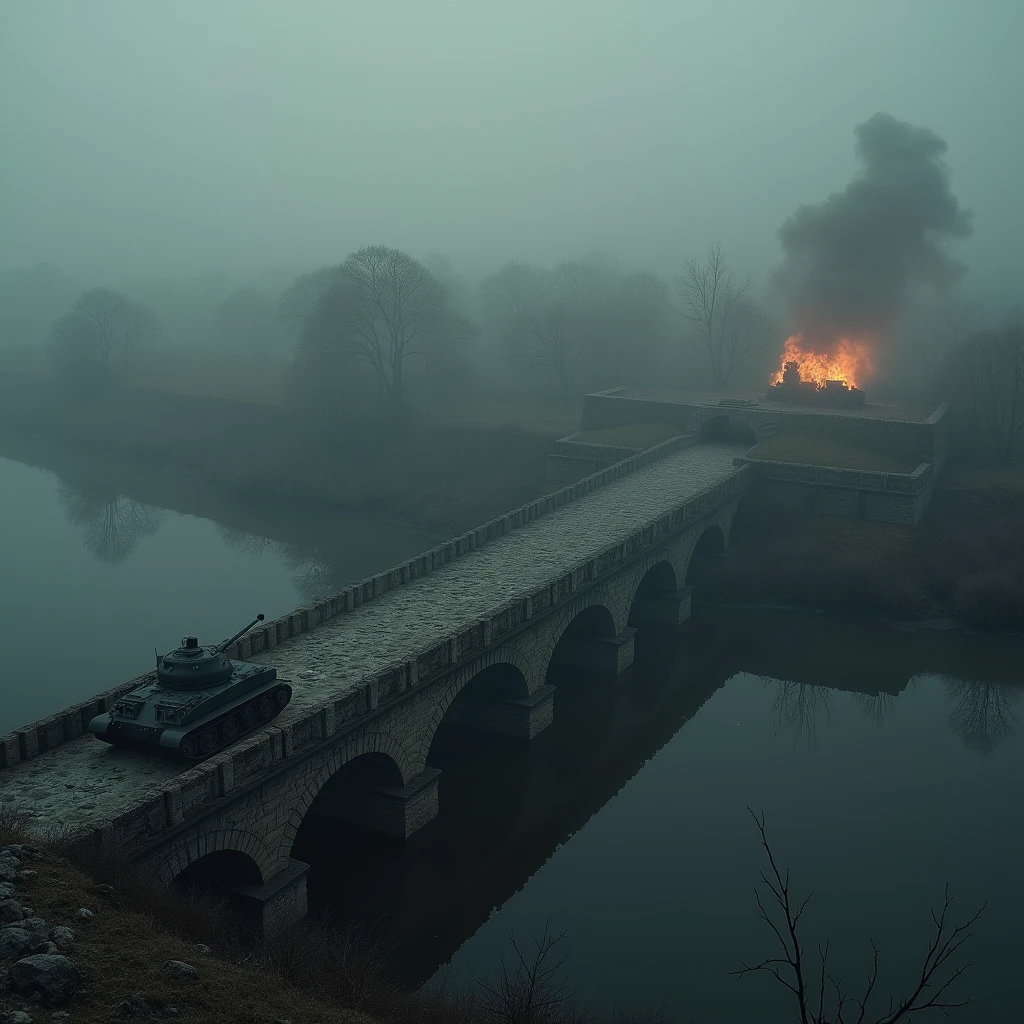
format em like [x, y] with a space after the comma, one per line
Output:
[54, 730]
[243, 767]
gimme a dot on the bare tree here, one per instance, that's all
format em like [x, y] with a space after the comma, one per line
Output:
[985, 376]
[299, 301]
[544, 318]
[382, 307]
[103, 310]
[530, 988]
[729, 329]
[821, 998]
[139, 326]
[101, 322]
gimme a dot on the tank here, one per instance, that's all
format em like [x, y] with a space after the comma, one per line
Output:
[200, 702]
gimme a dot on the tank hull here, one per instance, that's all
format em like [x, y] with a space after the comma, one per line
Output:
[195, 724]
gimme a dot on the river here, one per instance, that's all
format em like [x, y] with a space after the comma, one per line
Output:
[886, 762]
[92, 578]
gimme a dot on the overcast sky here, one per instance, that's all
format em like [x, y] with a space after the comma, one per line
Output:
[160, 136]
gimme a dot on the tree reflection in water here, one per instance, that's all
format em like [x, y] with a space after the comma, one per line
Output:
[875, 707]
[797, 706]
[251, 544]
[112, 524]
[312, 573]
[982, 714]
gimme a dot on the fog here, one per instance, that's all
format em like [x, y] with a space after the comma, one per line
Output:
[145, 139]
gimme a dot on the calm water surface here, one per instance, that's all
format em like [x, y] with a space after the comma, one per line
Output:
[91, 580]
[887, 763]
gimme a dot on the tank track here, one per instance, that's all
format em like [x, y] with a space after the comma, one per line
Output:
[215, 735]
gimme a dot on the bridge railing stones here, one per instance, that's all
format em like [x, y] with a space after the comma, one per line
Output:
[65, 726]
[835, 476]
[195, 793]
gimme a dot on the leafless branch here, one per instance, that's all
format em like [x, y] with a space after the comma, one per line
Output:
[936, 976]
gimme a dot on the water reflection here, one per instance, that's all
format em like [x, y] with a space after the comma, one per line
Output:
[312, 572]
[982, 714]
[875, 707]
[112, 524]
[797, 707]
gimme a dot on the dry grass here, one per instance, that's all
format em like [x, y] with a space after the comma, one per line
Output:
[965, 560]
[824, 451]
[121, 955]
[545, 418]
[636, 435]
[312, 973]
[178, 371]
[443, 479]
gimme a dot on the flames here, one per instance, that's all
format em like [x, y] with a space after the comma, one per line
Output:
[849, 361]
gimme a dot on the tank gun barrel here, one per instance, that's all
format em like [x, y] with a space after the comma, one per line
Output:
[221, 648]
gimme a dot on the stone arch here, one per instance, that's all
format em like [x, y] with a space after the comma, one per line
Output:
[194, 848]
[611, 623]
[710, 538]
[656, 577]
[510, 656]
[370, 744]
[700, 419]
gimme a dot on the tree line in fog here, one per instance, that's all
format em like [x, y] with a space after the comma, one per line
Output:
[385, 330]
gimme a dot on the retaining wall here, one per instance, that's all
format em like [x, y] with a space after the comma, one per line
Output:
[915, 440]
[854, 493]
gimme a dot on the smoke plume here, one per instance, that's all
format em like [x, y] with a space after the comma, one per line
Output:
[852, 261]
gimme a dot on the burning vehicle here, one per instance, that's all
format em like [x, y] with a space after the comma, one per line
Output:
[826, 380]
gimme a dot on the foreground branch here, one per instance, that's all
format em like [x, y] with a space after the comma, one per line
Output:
[830, 1004]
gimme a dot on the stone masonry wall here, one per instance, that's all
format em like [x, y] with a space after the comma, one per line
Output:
[917, 441]
[54, 730]
[253, 797]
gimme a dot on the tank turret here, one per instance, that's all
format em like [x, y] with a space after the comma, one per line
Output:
[199, 702]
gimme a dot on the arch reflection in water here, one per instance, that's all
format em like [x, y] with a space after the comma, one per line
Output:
[112, 524]
[506, 806]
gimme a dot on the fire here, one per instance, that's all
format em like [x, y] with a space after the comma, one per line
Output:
[850, 362]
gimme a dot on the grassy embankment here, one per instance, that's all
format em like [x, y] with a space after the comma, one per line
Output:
[448, 470]
[313, 974]
[965, 560]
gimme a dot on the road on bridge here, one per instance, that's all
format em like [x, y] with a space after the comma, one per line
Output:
[84, 778]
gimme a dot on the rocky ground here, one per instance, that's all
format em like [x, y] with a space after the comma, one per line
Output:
[71, 950]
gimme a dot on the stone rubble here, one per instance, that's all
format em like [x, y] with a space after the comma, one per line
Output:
[182, 969]
[39, 971]
[54, 978]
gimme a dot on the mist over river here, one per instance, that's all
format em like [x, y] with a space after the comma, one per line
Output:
[887, 762]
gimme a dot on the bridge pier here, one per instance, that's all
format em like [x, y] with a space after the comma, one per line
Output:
[397, 811]
[606, 655]
[519, 717]
[662, 609]
[275, 905]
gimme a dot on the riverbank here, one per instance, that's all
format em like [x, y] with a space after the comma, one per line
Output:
[92, 939]
[440, 478]
[965, 561]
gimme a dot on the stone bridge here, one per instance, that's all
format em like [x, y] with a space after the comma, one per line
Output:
[467, 633]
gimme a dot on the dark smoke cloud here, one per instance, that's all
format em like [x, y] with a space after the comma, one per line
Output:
[852, 261]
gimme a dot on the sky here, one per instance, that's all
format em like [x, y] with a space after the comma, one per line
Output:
[163, 138]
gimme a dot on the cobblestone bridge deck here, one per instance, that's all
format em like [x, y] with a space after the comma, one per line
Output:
[83, 779]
